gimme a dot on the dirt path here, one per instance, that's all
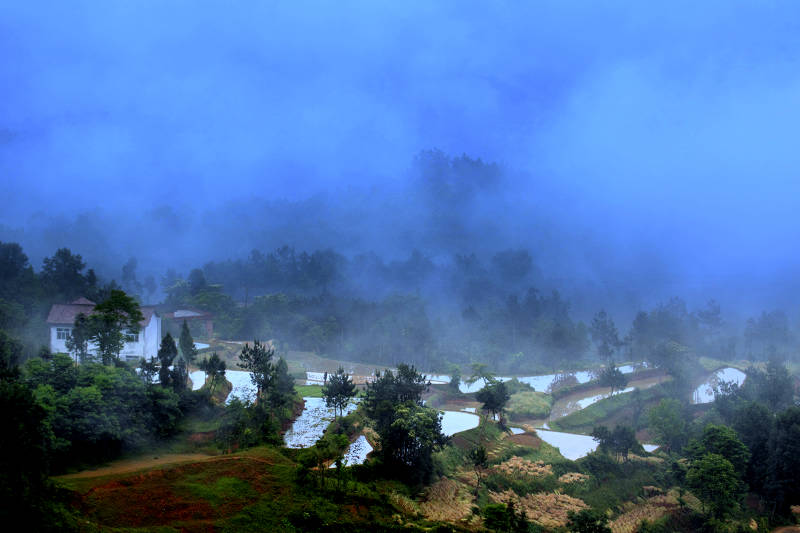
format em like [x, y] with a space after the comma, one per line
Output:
[142, 463]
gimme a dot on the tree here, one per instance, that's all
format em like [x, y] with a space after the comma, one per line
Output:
[78, 341]
[63, 274]
[338, 391]
[723, 441]
[282, 390]
[620, 441]
[612, 377]
[129, 281]
[257, 359]
[24, 461]
[714, 481]
[501, 517]
[166, 354]
[409, 432]
[604, 334]
[588, 521]
[111, 321]
[480, 371]
[784, 462]
[455, 378]
[186, 343]
[148, 370]
[413, 435]
[494, 396]
[10, 355]
[150, 287]
[214, 367]
[479, 460]
[197, 281]
[668, 424]
[179, 376]
[773, 386]
[754, 424]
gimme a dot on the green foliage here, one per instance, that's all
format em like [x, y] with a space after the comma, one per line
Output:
[257, 359]
[24, 462]
[667, 422]
[309, 391]
[10, 356]
[494, 397]
[620, 441]
[281, 392]
[166, 355]
[110, 321]
[772, 386]
[244, 425]
[612, 377]
[501, 517]
[784, 463]
[588, 521]
[455, 378]
[338, 390]
[328, 448]
[614, 407]
[186, 344]
[78, 340]
[389, 389]
[94, 411]
[604, 334]
[715, 482]
[224, 490]
[409, 433]
[529, 404]
[214, 368]
[62, 275]
[723, 441]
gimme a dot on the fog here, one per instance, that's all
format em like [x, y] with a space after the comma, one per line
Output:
[637, 152]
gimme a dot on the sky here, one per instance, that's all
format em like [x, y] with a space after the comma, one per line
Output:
[660, 137]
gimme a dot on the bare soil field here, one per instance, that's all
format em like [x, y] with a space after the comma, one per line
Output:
[124, 466]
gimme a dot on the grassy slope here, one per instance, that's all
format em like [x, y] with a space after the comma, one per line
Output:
[606, 411]
[529, 404]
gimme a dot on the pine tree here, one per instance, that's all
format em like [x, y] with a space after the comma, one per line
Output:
[338, 391]
[186, 342]
[166, 354]
[283, 385]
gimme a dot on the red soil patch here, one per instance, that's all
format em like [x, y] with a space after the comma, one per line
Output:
[526, 439]
[157, 498]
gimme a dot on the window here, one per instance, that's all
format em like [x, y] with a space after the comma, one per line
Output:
[63, 333]
[131, 337]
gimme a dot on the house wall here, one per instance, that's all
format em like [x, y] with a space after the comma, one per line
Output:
[60, 345]
[152, 337]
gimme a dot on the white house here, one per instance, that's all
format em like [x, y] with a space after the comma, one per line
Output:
[142, 344]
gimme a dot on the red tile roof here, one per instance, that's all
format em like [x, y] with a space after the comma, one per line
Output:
[66, 313]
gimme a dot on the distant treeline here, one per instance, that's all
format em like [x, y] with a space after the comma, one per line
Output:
[434, 314]
[428, 313]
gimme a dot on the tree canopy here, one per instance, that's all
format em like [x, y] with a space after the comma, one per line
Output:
[110, 322]
[338, 390]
